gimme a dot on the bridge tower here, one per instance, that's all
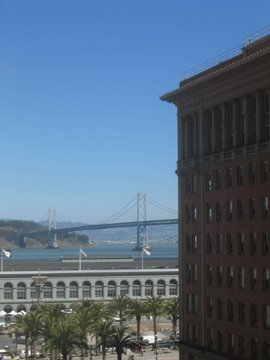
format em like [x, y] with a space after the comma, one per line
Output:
[52, 242]
[142, 240]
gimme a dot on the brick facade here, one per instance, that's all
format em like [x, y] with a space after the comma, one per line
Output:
[224, 188]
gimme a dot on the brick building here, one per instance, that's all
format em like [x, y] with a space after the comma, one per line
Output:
[224, 186]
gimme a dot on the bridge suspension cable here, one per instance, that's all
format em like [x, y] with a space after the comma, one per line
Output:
[160, 206]
[113, 216]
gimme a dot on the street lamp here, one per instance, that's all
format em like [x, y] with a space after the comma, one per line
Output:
[39, 283]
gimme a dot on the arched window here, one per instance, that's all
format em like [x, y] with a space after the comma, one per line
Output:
[73, 290]
[61, 290]
[86, 289]
[33, 291]
[33, 307]
[21, 291]
[161, 287]
[21, 308]
[8, 291]
[99, 288]
[137, 288]
[148, 288]
[111, 289]
[124, 288]
[173, 287]
[47, 290]
[8, 309]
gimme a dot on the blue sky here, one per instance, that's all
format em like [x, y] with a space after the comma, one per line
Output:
[82, 127]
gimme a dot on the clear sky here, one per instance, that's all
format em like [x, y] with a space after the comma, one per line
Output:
[82, 127]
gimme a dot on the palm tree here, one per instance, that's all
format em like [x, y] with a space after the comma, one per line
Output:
[120, 304]
[136, 309]
[155, 308]
[48, 325]
[99, 311]
[30, 324]
[120, 339]
[172, 308]
[53, 310]
[65, 338]
[102, 330]
[82, 318]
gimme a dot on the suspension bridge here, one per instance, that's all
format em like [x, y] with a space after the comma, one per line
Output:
[141, 224]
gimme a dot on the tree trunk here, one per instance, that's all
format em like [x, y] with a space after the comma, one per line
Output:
[70, 355]
[138, 327]
[83, 354]
[64, 354]
[119, 355]
[97, 350]
[174, 330]
[103, 353]
[26, 346]
[155, 331]
[34, 349]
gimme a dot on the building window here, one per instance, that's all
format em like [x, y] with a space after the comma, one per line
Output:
[219, 276]
[209, 244]
[86, 289]
[173, 287]
[266, 280]
[264, 172]
[187, 184]
[73, 290]
[208, 212]
[188, 273]
[187, 214]
[240, 209]
[266, 350]
[266, 117]
[188, 303]
[208, 142]
[241, 278]
[253, 122]
[230, 127]
[240, 176]
[229, 244]
[8, 291]
[241, 312]
[219, 244]
[47, 291]
[242, 350]
[33, 291]
[219, 130]
[195, 333]
[194, 274]
[242, 123]
[136, 288]
[209, 306]
[194, 303]
[230, 276]
[252, 209]
[266, 316]
[194, 244]
[209, 275]
[229, 210]
[161, 287]
[265, 207]
[265, 239]
[21, 291]
[219, 340]
[230, 343]
[208, 182]
[189, 333]
[254, 348]
[111, 289]
[210, 338]
[194, 213]
[229, 178]
[252, 244]
[188, 244]
[241, 244]
[218, 179]
[60, 290]
[218, 211]
[148, 288]
[253, 275]
[251, 174]
[230, 310]
[253, 315]
[219, 308]
[99, 289]
[194, 183]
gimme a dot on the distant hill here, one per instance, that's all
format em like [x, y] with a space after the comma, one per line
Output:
[10, 230]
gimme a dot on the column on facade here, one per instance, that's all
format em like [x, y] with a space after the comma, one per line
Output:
[224, 109]
[246, 117]
[214, 129]
[195, 135]
[186, 138]
[80, 296]
[235, 123]
[259, 116]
